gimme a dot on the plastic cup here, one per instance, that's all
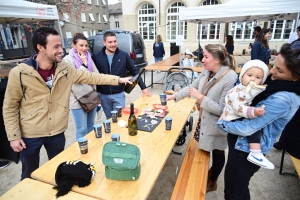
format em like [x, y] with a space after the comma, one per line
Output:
[83, 145]
[168, 121]
[114, 116]
[98, 130]
[119, 109]
[106, 124]
[163, 99]
[115, 137]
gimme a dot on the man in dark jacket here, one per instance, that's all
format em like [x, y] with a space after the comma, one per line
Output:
[114, 61]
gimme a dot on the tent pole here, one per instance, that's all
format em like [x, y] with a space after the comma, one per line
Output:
[62, 39]
[297, 22]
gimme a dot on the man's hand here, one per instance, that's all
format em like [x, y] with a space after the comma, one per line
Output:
[125, 80]
[17, 145]
[146, 92]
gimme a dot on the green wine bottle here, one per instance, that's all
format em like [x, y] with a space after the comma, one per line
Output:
[135, 79]
[132, 122]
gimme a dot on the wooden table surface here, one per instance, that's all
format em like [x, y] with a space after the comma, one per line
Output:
[172, 60]
[155, 148]
[32, 189]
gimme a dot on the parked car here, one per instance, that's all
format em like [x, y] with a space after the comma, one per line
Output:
[130, 42]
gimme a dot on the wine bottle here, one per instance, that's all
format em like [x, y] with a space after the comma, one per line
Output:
[135, 79]
[132, 122]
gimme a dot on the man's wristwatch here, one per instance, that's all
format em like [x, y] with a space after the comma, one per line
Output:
[84, 65]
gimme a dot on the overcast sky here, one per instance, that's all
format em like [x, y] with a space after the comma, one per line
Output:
[112, 1]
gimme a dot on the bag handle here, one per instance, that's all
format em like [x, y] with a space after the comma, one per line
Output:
[206, 81]
[76, 96]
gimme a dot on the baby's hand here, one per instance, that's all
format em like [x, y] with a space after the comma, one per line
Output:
[259, 111]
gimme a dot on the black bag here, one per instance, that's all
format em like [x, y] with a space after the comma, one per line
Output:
[88, 101]
[199, 53]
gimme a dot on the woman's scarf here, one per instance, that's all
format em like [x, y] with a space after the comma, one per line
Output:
[277, 86]
[78, 62]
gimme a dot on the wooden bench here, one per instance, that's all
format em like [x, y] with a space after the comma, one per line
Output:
[295, 161]
[32, 189]
[192, 179]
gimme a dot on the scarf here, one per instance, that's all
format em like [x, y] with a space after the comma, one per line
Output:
[78, 62]
[277, 86]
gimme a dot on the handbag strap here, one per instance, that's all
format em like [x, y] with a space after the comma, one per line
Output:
[205, 83]
[76, 96]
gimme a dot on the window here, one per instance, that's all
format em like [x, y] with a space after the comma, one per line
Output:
[103, 2]
[66, 17]
[147, 21]
[69, 34]
[281, 29]
[174, 27]
[209, 31]
[97, 2]
[83, 19]
[98, 18]
[85, 33]
[242, 30]
[89, 1]
[93, 32]
[92, 19]
[116, 16]
[105, 18]
[117, 25]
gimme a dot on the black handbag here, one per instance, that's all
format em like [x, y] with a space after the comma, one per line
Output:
[88, 101]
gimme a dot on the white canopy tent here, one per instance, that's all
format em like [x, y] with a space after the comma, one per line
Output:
[241, 11]
[16, 11]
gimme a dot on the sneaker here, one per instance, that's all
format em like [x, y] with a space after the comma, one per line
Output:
[3, 164]
[260, 160]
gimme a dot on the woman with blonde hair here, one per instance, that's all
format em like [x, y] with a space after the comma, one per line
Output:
[210, 89]
[158, 49]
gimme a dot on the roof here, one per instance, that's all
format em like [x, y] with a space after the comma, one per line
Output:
[115, 8]
[241, 11]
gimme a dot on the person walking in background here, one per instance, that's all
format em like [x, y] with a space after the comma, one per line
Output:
[256, 31]
[281, 100]
[80, 58]
[210, 88]
[36, 102]
[158, 49]
[260, 49]
[229, 44]
[112, 60]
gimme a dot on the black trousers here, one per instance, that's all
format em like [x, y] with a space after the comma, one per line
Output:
[255, 137]
[238, 172]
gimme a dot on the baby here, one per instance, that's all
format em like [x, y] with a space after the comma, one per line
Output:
[237, 105]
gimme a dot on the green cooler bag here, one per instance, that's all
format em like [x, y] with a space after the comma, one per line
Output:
[122, 161]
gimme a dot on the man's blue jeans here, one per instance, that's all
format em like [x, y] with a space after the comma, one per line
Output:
[30, 157]
[110, 101]
[157, 59]
[84, 121]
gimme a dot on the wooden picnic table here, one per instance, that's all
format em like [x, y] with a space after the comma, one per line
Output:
[32, 189]
[155, 148]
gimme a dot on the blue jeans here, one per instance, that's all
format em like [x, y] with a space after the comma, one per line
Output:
[157, 59]
[84, 121]
[30, 157]
[110, 101]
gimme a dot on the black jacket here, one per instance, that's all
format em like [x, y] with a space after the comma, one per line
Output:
[121, 63]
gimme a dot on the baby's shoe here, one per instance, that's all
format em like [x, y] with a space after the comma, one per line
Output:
[260, 160]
